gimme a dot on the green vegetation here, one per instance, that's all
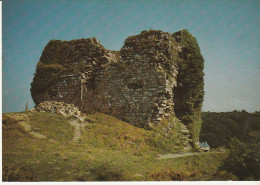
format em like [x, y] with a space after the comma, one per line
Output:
[244, 160]
[59, 127]
[108, 149]
[219, 128]
[189, 93]
[165, 139]
[108, 132]
[238, 131]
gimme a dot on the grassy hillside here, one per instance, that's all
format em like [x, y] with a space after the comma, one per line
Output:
[40, 147]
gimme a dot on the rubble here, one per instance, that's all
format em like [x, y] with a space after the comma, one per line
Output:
[60, 108]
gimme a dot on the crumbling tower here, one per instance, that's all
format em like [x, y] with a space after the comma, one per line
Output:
[139, 88]
[155, 75]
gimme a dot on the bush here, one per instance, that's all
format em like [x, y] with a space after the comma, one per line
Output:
[244, 160]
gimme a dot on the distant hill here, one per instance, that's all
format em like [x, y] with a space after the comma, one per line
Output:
[219, 127]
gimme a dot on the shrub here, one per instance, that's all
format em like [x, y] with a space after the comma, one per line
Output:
[244, 160]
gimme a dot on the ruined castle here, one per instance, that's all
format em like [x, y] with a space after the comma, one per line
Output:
[154, 76]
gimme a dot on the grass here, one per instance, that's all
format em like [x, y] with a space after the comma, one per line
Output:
[53, 126]
[109, 149]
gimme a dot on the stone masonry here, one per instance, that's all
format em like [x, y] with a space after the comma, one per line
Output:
[139, 88]
[136, 86]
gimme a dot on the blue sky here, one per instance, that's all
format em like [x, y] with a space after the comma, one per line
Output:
[227, 32]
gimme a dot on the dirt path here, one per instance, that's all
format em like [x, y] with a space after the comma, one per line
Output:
[27, 127]
[79, 125]
[172, 156]
[38, 135]
[23, 121]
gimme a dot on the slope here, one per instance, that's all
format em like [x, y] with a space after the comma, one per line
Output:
[108, 149]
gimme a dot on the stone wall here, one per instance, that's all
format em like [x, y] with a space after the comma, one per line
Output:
[80, 58]
[67, 89]
[135, 84]
[139, 88]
